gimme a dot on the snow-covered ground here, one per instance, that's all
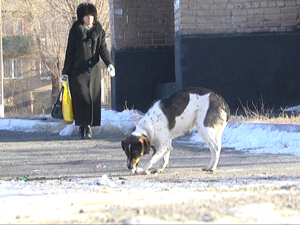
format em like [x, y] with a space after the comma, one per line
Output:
[255, 137]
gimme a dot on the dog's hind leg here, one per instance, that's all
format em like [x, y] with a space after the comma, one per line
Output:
[212, 137]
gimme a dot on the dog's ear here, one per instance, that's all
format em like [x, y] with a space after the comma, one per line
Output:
[145, 144]
[124, 143]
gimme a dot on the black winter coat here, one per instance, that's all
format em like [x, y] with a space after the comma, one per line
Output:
[82, 64]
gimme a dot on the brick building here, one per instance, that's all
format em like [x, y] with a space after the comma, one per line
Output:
[143, 38]
[247, 50]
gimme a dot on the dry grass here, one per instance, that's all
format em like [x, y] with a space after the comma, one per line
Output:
[133, 112]
[262, 114]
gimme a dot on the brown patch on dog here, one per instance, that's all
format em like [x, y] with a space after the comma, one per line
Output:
[145, 145]
[135, 161]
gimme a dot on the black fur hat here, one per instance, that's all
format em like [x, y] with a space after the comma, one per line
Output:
[85, 9]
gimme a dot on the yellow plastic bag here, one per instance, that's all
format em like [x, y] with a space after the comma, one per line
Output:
[67, 108]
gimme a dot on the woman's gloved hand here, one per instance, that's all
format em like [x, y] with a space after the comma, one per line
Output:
[111, 70]
[63, 78]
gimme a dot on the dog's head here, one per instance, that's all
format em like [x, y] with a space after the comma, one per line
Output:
[135, 147]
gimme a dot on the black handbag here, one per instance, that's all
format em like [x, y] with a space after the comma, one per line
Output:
[57, 107]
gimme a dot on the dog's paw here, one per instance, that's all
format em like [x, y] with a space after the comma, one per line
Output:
[140, 171]
[158, 171]
[208, 170]
[147, 172]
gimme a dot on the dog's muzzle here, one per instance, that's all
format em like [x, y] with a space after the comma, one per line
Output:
[129, 164]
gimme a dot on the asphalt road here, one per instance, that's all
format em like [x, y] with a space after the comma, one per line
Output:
[38, 156]
[246, 188]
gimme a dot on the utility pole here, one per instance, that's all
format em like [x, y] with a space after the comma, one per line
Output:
[1, 68]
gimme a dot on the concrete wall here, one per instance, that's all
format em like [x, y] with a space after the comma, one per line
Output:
[247, 50]
[245, 68]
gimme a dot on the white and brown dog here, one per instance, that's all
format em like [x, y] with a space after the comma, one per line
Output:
[168, 118]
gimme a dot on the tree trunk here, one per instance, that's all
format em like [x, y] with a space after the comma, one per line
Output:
[55, 88]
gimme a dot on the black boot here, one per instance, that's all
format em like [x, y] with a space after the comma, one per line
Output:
[81, 132]
[88, 132]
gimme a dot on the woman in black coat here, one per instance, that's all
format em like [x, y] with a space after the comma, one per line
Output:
[86, 44]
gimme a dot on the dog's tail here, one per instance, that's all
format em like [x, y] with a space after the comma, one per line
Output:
[226, 110]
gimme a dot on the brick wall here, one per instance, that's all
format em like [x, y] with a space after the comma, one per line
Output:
[236, 16]
[142, 24]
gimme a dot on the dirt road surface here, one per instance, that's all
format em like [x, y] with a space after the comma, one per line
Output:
[49, 179]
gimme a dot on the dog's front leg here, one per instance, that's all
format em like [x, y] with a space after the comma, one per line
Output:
[166, 162]
[155, 158]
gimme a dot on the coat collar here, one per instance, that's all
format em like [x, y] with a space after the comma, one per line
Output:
[83, 33]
